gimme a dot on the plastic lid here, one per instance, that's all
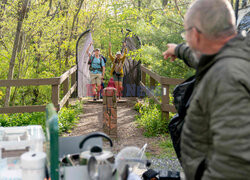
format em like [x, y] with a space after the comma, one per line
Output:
[33, 160]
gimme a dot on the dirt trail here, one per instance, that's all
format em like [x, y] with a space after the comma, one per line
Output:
[128, 133]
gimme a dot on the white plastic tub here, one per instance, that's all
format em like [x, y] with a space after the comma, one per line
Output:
[27, 138]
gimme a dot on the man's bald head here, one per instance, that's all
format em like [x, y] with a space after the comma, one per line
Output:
[214, 18]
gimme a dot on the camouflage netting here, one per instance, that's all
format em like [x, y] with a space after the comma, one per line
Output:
[245, 22]
[131, 69]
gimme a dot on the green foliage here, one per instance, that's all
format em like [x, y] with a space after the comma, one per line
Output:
[22, 119]
[50, 31]
[68, 117]
[48, 39]
[138, 106]
[150, 119]
[1, 94]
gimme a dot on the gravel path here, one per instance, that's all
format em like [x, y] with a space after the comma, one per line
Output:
[128, 133]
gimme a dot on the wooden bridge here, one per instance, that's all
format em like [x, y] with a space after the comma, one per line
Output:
[69, 84]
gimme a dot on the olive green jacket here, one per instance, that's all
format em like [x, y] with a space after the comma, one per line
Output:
[215, 140]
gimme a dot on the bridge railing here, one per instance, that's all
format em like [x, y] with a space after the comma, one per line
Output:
[56, 82]
[165, 83]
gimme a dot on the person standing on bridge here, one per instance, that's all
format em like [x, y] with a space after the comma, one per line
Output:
[97, 71]
[215, 139]
[117, 68]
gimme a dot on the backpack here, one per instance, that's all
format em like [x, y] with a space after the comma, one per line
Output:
[118, 67]
[182, 96]
[91, 58]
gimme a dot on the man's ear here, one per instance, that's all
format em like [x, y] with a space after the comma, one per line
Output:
[197, 37]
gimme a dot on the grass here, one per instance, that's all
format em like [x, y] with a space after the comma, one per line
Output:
[167, 148]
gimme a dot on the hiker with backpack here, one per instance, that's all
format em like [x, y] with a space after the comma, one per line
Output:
[117, 68]
[97, 71]
[215, 136]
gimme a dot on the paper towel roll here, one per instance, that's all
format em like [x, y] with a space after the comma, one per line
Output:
[33, 165]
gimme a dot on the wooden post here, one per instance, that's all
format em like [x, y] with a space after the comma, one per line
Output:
[73, 81]
[66, 89]
[165, 100]
[55, 96]
[110, 112]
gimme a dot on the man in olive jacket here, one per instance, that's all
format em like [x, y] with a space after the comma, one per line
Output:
[215, 139]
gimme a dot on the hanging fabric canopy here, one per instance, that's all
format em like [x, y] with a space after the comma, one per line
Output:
[83, 76]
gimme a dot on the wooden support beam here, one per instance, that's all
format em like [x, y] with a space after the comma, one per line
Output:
[67, 74]
[151, 74]
[22, 109]
[55, 95]
[171, 81]
[73, 81]
[168, 108]
[29, 82]
[66, 97]
[66, 89]
[165, 100]
[149, 93]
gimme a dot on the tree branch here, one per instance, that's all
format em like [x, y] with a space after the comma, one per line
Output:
[178, 9]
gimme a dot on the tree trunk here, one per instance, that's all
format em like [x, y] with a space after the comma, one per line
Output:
[20, 63]
[21, 13]
[72, 31]
[50, 6]
[164, 3]
[2, 10]
[139, 5]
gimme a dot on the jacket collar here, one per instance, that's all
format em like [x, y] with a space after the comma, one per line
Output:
[207, 61]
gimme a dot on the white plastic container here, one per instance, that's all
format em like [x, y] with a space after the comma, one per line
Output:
[21, 138]
[10, 169]
[33, 165]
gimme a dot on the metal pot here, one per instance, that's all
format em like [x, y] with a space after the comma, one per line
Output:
[102, 156]
[71, 160]
[99, 162]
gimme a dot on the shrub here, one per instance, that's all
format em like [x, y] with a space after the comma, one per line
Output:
[22, 119]
[150, 119]
[137, 106]
[68, 117]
